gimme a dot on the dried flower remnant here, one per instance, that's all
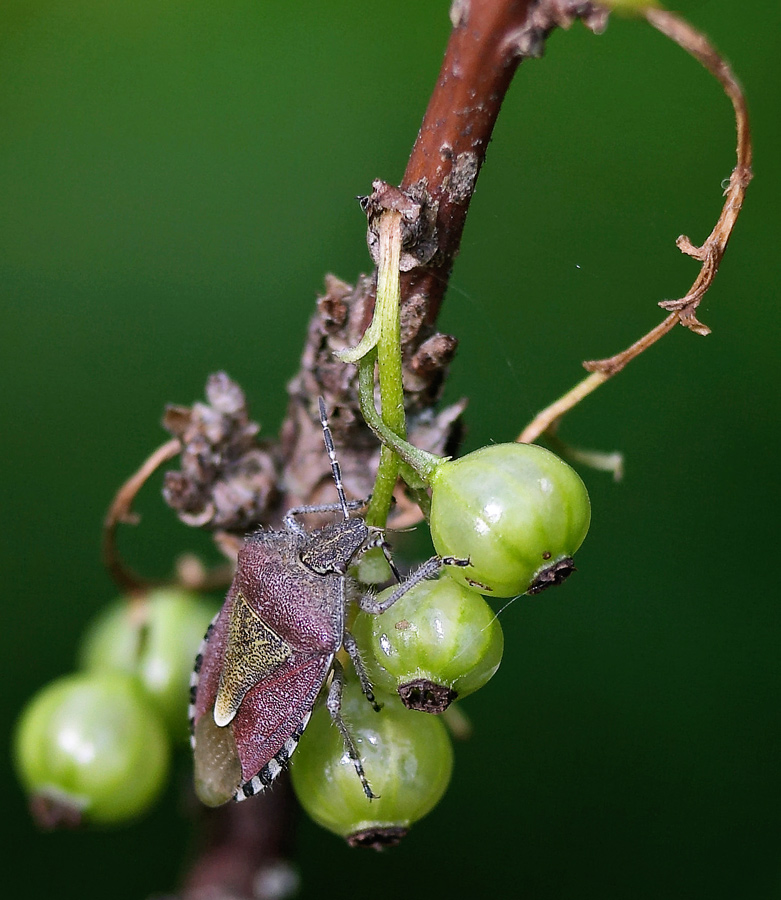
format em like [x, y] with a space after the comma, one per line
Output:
[228, 479]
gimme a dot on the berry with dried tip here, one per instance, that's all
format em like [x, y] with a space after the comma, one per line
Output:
[154, 638]
[516, 511]
[90, 748]
[439, 642]
[407, 757]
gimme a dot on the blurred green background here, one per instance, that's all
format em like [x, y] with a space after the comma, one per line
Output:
[177, 176]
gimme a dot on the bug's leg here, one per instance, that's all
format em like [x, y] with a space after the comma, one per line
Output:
[378, 540]
[290, 520]
[369, 603]
[333, 704]
[360, 670]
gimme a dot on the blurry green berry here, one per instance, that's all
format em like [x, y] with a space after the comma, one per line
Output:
[91, 744]
[440, 641]
[516, 511]
[155, 638]
[407, 758]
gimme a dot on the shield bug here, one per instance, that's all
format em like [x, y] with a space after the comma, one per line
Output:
[272, 647]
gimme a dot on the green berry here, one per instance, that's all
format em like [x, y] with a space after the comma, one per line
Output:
[91, 747]
[408, 759]
[440, 641]
[516, 511]
[155, 638]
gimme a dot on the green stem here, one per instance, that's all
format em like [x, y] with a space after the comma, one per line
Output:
[381, 344]
[418, 466]
[389, 363]
[389, 343]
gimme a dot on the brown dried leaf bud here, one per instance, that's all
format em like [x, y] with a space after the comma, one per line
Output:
[227, 479]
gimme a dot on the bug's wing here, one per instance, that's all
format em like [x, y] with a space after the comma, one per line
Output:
[253, 651]
[251, 697]
[272, 717]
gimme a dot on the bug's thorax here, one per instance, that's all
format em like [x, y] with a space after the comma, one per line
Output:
[303, 607]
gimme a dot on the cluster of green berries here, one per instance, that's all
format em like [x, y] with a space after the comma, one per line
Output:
[518, 513]
[94, 746]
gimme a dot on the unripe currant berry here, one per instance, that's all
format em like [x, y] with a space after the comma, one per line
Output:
[439, 642]
[407, 757]
[155, 638]
[516, 511]
[90, 748]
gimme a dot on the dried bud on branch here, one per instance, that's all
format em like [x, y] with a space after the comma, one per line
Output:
[228, 480]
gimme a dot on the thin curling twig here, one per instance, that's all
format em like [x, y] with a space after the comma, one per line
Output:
[712, 251]
[682, 310]
[121, 511]
[190, 573]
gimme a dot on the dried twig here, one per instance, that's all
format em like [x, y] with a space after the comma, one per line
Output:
[683, 310]
[121, 511]
[190, 572]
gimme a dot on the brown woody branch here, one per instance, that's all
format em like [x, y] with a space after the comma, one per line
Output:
[489, 39]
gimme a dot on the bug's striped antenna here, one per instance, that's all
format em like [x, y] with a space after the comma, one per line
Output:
[335, 468]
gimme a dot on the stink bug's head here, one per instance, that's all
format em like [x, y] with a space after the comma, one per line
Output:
[333, 549]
